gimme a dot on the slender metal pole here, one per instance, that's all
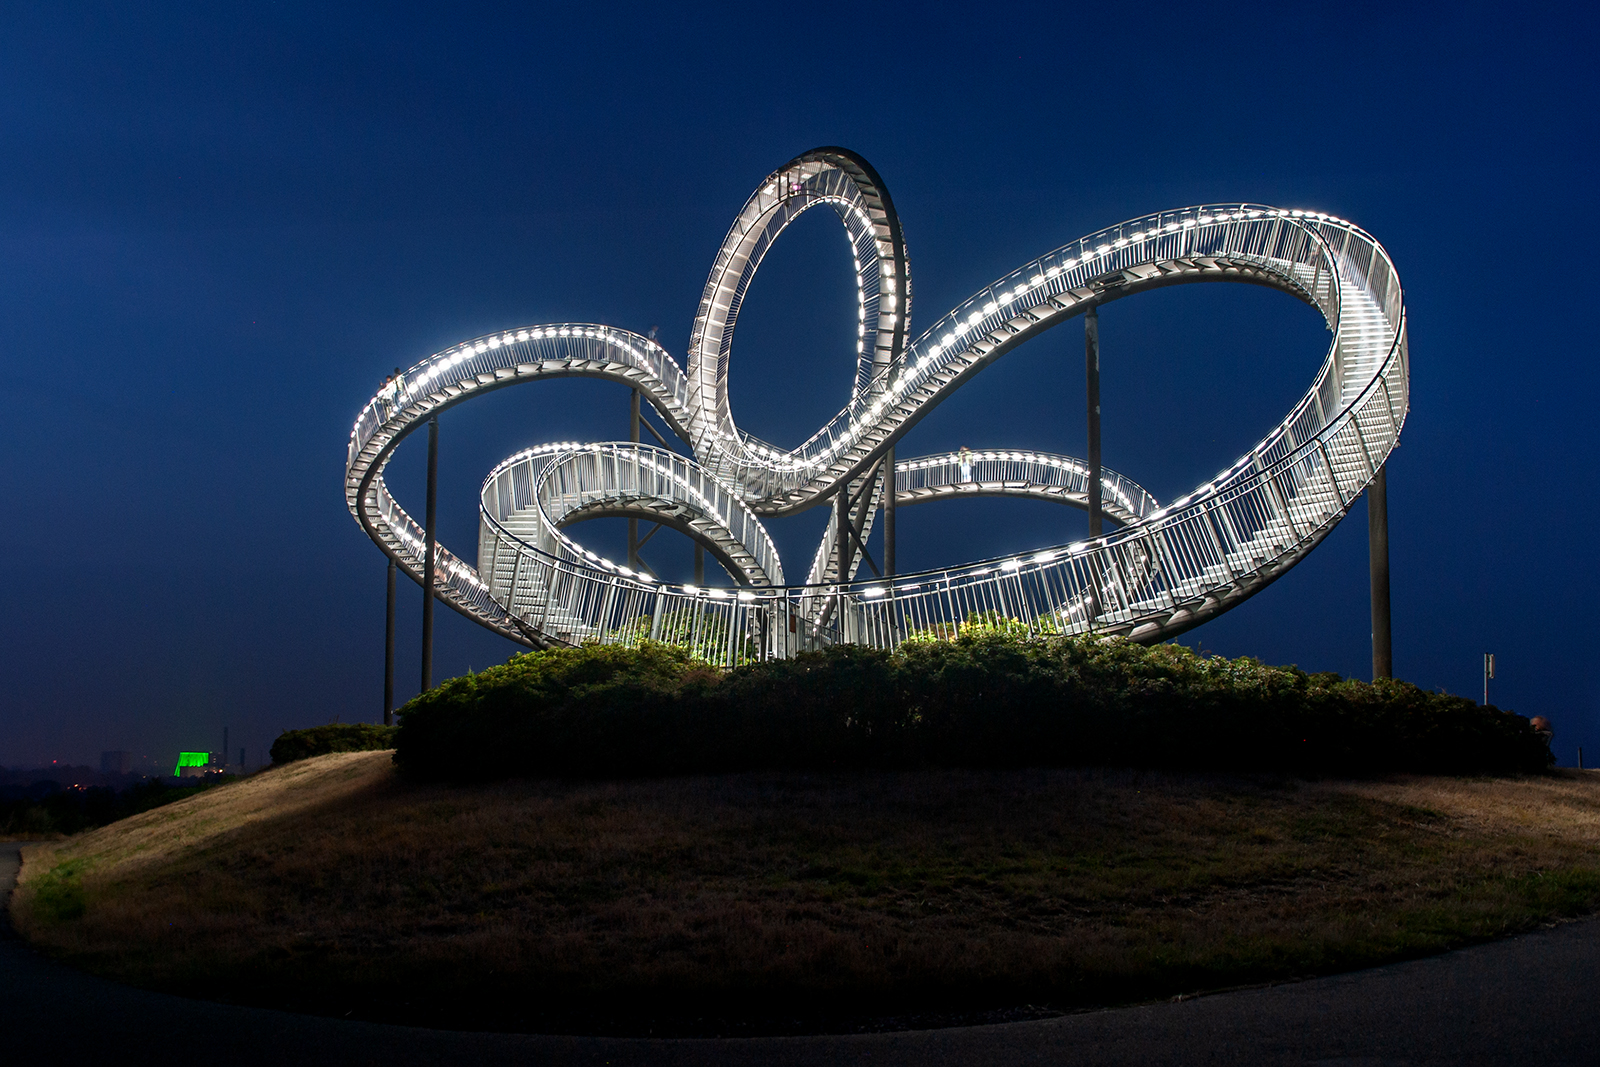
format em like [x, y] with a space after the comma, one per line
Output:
[888, 515]
[699, 563]
[1378, 549]
[1091, 366]
[430, 545]
[633, 524]
[842, 538]
[388, 651]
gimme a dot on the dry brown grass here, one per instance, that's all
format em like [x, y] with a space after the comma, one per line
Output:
[783, 900]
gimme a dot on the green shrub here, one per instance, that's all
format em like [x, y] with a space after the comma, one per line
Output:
[294, 745]
[594, 710]
[58, 897]
[987, 698]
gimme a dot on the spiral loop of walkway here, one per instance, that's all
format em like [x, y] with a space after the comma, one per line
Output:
[1165, 570]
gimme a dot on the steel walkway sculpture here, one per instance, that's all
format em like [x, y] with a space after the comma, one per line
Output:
[1164, 570]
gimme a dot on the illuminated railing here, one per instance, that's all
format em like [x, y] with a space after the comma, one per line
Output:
[1010, 472]
[1165, 570]
[505, 358]
[534, 494]
[1252, 242]
[457, 374]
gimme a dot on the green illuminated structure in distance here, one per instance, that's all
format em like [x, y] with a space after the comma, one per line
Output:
[191, 759]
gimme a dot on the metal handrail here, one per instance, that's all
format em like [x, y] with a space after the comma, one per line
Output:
[551, 486]
[1017, 306]
[1013, 472]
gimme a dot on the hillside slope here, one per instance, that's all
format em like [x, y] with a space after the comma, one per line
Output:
[783, 903]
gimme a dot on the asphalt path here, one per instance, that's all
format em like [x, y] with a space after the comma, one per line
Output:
[1525, 1000]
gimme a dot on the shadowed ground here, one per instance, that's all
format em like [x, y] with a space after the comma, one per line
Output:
[784, 904]
[1528, 999]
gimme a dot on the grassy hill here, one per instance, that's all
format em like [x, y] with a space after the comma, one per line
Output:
[786, 902]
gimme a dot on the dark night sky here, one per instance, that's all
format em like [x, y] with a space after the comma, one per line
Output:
[221, 230]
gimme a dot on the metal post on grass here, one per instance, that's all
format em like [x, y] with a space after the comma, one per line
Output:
[888, 515]
[430, 543]
[388, 651]
[1378, 558]
[1091, 366]
[842, 537]
[633, 524]
[1488, 672]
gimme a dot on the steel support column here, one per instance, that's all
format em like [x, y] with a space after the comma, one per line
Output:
[1378, 550]
[430, 543]
[845, 549]
[388, 651]
[633, 524]
[888, 515]
[1091, 366]
[699, 564]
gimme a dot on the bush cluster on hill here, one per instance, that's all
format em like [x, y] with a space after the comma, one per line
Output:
[294, 745]
[984, 699]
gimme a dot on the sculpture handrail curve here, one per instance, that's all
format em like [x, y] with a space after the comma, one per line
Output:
[563, 483]
[1023, 472]
[979, 588]
[796, 477]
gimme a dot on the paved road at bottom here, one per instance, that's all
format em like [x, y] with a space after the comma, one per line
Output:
[1527, 1000]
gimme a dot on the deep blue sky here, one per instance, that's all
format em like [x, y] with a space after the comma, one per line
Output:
[220, 230]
